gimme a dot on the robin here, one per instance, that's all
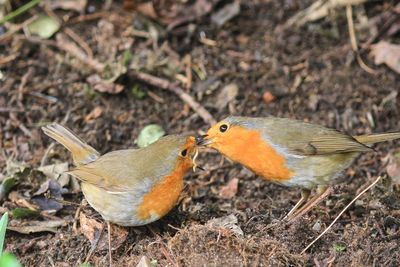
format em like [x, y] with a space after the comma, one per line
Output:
[290, 152]
[130, 187]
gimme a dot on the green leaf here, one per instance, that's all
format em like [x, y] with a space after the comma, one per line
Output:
[3, 228]
[339, 247]
[44, 26]
[150, 134]
[137, 92]
[126, 58]
[9, 260]
[6, 186]
[20, 213]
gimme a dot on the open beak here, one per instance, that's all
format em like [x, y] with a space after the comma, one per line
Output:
[202, 141]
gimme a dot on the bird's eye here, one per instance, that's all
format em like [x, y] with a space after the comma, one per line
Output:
[223, 128]
[184, 153]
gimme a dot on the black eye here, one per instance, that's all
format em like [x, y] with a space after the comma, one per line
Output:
[184, 153]
[223, 128]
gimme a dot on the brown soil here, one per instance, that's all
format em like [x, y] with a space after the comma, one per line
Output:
[252, 52]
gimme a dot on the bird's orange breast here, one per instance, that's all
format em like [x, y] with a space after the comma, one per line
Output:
[250, 149]
[164, 195]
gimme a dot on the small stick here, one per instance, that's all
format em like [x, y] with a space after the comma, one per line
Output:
[167, 85]
[64, 44]
[109, 242]
[79, 41]
[353, 40]
[341, 213]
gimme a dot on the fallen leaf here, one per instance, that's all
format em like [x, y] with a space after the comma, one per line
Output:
[227, 222]
[229, 191]
[76, 5]
[387, 53]
[227, 95]
[7, 184]
[149, 135]
[393, 168]
[94, 114]
[92, 229]
[144, 262]
[38, 226]
[44, 26]
[49, 196]
[104, 86]
[226, 13]
[147, 9]
[20, 213]
[197, 10]
[56, 172]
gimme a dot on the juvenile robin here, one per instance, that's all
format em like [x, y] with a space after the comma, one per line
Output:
[130, 187]
[290, 152]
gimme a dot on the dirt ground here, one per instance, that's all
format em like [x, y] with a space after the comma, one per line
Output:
[310, 71]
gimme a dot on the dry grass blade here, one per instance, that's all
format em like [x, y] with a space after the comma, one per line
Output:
[340, 214]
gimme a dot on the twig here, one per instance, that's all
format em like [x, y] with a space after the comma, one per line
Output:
[87, 17]
[341, 213]
[79, 41]
[64, 44]
[353, 40]
[6, 37]
[19, 11]
[166, 85]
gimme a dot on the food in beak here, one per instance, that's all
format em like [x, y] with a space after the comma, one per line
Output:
[201, 141]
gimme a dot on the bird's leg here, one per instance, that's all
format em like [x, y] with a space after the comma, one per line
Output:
[109, 242]
[305, 193]
[322, 193]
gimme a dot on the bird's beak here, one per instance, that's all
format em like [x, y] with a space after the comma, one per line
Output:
[202, 140]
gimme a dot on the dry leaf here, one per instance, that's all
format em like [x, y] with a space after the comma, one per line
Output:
[56, 172]
[227, 94]
[76, 5]
[92, 229]
[228, 222]
[144, 262]
[38, 226]
[387, 53]
[147, 9]
[94, 114]
[49, 196]
[393, 168]
[104, 86]
[226, 13]
[229, 191]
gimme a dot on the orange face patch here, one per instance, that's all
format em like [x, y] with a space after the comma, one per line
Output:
[163, 197]
[249, 148]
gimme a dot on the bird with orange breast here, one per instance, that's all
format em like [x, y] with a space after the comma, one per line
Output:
[290, 152]
[130, 187]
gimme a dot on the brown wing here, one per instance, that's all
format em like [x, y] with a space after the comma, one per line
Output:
[328, 143]
[303, 138]
[123, 170]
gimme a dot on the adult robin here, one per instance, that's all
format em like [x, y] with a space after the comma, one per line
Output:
[129, 187]
[290, 152]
